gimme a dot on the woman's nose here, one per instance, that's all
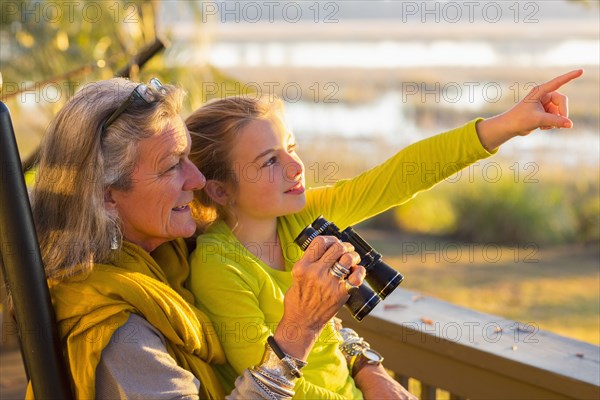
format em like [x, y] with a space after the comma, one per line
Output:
[195, 180]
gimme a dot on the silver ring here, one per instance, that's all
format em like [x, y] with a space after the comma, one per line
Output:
[335, 272]
[339, 270]
[342, 270]
[349, 286]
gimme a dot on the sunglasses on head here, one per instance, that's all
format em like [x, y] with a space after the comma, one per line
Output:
[141, 91]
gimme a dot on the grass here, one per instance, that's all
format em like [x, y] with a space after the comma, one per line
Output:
[555, 288]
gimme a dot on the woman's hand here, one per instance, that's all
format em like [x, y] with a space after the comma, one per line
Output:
[315, 295]
[543, 107]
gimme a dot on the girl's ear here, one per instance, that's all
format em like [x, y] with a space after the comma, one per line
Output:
[217, 191]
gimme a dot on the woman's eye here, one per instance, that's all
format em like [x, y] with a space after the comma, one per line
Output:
[175, 166]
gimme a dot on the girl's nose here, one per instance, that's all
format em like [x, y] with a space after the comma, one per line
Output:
[293, 169]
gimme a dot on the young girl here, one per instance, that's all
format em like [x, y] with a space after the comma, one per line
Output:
[255, 204]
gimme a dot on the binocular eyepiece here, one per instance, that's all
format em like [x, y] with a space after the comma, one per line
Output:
[382, 278]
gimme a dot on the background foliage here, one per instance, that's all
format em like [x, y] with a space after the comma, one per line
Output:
[50, 49]
[507, 212]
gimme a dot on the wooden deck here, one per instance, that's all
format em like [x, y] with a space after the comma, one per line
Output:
[476, 355]
[12, 374]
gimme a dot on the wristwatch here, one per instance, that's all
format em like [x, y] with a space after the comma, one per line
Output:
[358, 351]
[367, 357]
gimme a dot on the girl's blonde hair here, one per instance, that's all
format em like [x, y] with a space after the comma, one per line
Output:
[214, 128]
[79, 161]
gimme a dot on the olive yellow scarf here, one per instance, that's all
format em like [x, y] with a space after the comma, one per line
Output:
[90, 309]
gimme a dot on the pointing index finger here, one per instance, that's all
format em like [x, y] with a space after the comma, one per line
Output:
[554, 84]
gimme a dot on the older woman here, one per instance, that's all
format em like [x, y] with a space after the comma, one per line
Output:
[111, 206]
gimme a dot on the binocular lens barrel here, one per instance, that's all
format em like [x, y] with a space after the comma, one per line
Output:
[362, 301]
[382, 278]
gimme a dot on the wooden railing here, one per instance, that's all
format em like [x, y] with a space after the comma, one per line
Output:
[458, 353]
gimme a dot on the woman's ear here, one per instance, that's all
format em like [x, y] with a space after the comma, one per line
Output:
[217, 191]
[109, 202]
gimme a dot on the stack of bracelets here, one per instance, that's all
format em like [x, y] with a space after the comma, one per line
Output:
[358, 352]
[277, 372]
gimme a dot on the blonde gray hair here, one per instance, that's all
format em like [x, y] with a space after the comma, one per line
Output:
[79, 161]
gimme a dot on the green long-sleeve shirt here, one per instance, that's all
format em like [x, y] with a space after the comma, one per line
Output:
[244, 297]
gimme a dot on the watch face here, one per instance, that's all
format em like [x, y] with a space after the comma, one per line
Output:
[373, 356]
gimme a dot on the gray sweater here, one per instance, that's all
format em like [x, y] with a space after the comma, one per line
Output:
[136, 365]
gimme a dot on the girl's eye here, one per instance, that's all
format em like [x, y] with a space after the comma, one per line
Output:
[292, 148]
[270, 161]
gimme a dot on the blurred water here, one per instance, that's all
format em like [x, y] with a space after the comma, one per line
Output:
[388, 120]
[368, 41]
[401, 54]
[390, 117]
[381, 118]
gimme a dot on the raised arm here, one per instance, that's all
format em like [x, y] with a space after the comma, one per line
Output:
[543, 107]
[423, 164]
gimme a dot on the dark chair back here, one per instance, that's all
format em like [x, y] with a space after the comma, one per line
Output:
[24, 275]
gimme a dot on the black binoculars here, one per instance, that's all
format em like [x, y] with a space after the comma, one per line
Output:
[382, 278]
